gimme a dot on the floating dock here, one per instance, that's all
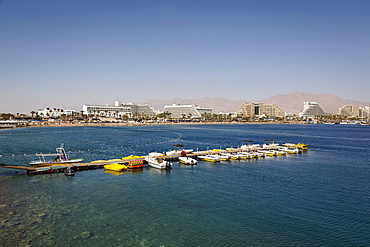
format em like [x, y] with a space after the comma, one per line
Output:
[78, 166]
[99, 165]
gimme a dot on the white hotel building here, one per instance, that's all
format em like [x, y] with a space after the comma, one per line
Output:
[312, 110]
[186, 111]
[355, 111]
[54, 112]
[119, 110]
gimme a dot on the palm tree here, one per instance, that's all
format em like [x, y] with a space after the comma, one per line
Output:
[33, 113]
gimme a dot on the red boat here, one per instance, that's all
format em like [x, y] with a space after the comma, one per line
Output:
[135, 164]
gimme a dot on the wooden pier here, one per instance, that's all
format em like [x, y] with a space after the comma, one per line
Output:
[78, 166]
[99, 165]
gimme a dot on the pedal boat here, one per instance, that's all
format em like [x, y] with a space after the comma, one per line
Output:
[115, 167]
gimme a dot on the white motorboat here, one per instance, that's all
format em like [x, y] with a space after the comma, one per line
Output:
[257, 154]
[244, 155]
[210, 158]
[273, 152]
[269, 153]
[179, 152]
[250, 147]
[188, 161]
[220, 156]
[231, 156]
[60, 158]
[158, 162]
[271, 146]
[290, 150]
[299, 145]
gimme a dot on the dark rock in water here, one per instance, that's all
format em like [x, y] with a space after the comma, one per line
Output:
[86, 234]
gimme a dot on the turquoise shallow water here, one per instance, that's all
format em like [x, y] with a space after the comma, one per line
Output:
[319, 198]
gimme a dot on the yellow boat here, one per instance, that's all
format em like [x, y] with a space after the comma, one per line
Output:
[115, 167]
[299, 145]
[98, 161]
[130, 157]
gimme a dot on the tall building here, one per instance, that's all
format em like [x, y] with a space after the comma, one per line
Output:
[259, 109]
[312, 110]
[354, 111]
[186, 111]
[119, 110]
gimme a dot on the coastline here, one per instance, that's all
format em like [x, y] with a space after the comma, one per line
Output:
[48, 124]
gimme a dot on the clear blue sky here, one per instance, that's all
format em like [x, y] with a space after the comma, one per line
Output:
[68, 53]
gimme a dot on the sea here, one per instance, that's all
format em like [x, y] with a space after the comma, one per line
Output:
[318, 198]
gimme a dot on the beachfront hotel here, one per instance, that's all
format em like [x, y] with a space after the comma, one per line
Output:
[119, 110]
[355, 111]
[54, 112]
[312, 110]
[259, 109]
[186, 111]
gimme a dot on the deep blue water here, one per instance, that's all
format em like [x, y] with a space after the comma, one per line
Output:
[318, 198]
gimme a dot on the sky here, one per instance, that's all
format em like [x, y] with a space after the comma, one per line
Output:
[64, 54]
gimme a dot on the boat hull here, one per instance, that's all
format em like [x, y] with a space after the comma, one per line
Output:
[209, 158]
[54, 163]
[187, 161]
[159, 164]
[115, 167]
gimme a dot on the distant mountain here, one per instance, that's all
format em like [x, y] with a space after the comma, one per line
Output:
[217, 104]
[290, 103]
[293, 102]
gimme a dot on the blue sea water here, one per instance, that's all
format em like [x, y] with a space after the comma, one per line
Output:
[318, 198]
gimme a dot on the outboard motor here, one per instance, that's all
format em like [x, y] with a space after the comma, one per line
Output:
[69, 171]
[168, 165]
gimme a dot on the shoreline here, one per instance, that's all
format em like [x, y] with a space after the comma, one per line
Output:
[145, 124]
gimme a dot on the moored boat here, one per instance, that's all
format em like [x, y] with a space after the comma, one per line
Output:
[187, 161]
[179, 152]
[115, 167]
[158, 163]
[250, 147]
[209, 158]
[131, 157]
[221, 157]
[269, 152]
[60, 158]
[231, 156]
[298, 145]
[135, 164]
[258, 155]
[290, 150]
